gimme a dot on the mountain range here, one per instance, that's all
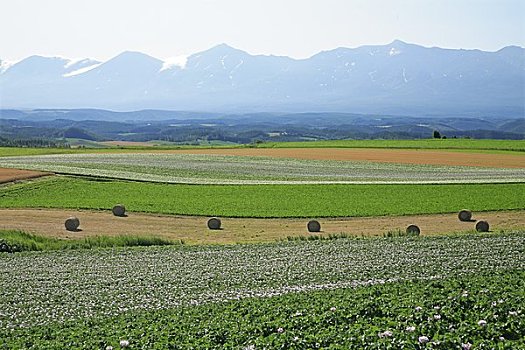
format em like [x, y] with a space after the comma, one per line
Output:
[398, 78]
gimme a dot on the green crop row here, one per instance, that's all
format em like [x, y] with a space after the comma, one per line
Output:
[261, 200]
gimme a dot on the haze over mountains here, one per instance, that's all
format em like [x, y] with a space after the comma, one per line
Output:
[398, 78]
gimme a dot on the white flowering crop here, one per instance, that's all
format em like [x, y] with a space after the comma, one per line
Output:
[214, 169]
[49, 287]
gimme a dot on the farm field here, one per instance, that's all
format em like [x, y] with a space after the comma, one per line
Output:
[9, 175]
[263, 201]
[221, 169]
[262, 280]
[456, 145]
[193, 229]
[349, 292]
[400, 156]
[459, 144]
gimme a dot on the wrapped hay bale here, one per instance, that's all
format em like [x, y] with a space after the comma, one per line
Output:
[119, 210]
[72, 223]
[214, 224]
[465, 215]
[313, 226]
[413, 230]
[482, 226]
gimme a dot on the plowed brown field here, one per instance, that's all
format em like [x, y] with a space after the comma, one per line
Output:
[430, 157]
[9, 175]
[193, 230]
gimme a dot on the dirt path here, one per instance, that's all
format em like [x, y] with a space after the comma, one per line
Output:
[404, 156]
[193, 229]
[9, 175]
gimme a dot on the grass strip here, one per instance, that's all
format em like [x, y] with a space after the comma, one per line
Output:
[19, 241]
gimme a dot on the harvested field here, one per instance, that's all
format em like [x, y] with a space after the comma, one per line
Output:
[403, 156]
[9, 175]
[193, 230]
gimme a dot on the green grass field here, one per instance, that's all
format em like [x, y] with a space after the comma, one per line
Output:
[464, 145]
[457, 144]
[261, 200]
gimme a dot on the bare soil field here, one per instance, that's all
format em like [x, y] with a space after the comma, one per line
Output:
[10, 175]
[430, 157]
[193, 230]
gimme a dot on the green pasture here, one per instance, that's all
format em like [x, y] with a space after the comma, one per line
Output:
[442, 144]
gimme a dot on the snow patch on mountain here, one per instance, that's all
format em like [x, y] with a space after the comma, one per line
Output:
[394, 52]
[81, 70]
[4, 65]
[174, 62]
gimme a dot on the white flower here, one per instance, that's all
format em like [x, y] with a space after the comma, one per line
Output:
[419, 308]
[423, 339]
[385, 334]
[124, 343]
[250, 347]
[466, 346]
[437, 307]
[411, 329]
[333, 308]
[513, 313]
[437, 317]
[280, 330]
[482, 323]
[501, 338]
[109, 347]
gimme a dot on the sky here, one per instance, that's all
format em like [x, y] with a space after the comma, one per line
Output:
[102, 29]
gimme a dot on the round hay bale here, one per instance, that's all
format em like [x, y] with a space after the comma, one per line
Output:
[413, 230]
[482, 226]
[119, 210]
[313, 226]
[465, 215]
[4, 248]
[214, 224]
[72, 223]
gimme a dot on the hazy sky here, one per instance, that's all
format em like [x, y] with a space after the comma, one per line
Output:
[298, 28]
